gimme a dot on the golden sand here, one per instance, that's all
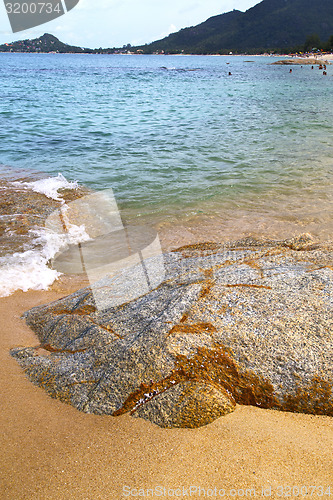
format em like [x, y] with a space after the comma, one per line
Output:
[49, 450]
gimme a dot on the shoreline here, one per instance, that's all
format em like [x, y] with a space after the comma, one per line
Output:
[27, 246]
[328, 56]
[51, 449]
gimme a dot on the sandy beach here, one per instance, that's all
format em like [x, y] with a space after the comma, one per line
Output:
[255, 159]
[51, 450]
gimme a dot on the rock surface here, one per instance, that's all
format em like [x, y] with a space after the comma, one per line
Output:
[249, 323]
[302, 60]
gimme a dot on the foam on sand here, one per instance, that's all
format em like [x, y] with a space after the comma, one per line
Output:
[29, 270]
[28, 265]
[49, 187]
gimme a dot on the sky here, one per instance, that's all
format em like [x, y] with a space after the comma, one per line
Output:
[114, 23]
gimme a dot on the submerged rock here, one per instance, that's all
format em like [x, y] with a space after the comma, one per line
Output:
[249, 323]
[301, 61]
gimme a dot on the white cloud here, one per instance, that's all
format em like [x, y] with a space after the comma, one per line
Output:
[113, 23]
[99, 5]
[188, 8]
[172, 29]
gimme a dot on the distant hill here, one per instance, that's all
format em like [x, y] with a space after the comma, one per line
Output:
[269, 25]
[45, 43]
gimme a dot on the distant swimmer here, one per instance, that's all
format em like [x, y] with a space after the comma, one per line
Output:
[290, 71]
[311, 67]
[324, 72]
[229, 73]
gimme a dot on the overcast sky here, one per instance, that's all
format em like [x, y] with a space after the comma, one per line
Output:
[113, 23]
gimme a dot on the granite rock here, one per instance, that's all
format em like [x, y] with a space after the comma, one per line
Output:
[302, 61]
[249, 322]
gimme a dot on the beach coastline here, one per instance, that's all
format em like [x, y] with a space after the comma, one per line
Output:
[273, 186]
[51, 450]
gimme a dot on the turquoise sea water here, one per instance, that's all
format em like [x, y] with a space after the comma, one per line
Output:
[180, 141]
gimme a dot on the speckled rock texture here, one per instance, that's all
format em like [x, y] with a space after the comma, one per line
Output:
[249, 322]
[301, 61]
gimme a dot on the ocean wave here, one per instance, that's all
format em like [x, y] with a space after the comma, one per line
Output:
[29, 270]
[27, 245]
[49, 187]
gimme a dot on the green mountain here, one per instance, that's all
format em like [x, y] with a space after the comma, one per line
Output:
[269, 25]
[45, 43]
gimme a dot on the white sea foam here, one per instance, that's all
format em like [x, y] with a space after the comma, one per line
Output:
[29, 270]
[9, 216]
[49, 186]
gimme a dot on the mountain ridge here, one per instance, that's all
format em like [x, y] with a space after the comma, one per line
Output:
[270, 26]
[45, 43]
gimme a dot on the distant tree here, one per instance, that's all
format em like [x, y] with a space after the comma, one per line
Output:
[312, 42]
[330, 43]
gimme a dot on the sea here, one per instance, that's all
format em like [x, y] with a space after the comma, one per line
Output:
[200, 148]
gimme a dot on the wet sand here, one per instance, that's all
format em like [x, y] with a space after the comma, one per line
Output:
[49, 450]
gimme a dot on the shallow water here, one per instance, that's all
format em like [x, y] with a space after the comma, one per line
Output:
[185, 147]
